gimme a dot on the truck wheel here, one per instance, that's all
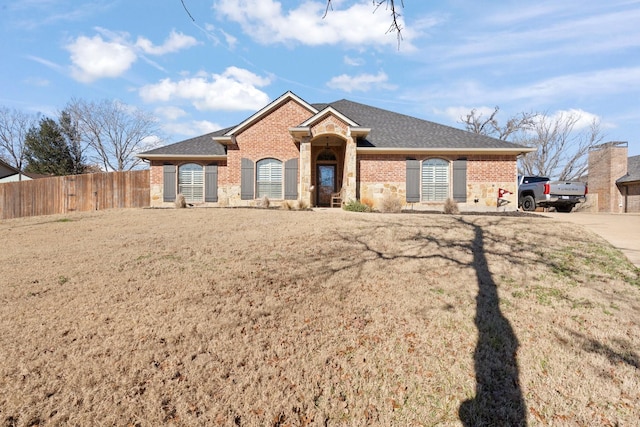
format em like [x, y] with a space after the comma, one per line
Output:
[529, 204]
[564, 208]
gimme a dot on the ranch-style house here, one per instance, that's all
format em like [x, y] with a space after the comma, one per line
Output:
[294, 150]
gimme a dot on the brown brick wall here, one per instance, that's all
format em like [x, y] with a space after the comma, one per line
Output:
[392, 168]
[606, 165]
[156, 172]
[269, 137]
[382, 168]
[632, 196]
[491, 169]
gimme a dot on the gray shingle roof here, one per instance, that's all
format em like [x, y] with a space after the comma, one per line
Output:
[388, 130]
[394, 130]
[202, 145]
[633, 171]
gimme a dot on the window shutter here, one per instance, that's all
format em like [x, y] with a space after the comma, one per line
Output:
[460, 180]
[291, 179]
[169, 183]
[246, 180]
[211, 183]
[413, 181]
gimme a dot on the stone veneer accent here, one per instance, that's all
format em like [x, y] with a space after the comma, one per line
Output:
[385, 176]
[332, 126]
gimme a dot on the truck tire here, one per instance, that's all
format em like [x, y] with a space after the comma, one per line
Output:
[564, 208]
[528, 204]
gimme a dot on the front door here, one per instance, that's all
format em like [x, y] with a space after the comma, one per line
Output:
[326, 184]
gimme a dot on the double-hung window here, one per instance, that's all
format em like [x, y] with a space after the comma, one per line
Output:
[435, 180]
[269, 179]
[191, 182]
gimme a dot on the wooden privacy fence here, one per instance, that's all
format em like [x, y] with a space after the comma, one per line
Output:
[74, 193]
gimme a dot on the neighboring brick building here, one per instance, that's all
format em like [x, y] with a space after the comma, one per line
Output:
[614, 178]
[294, 150]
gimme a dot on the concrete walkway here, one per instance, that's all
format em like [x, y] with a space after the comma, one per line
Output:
[621, 230]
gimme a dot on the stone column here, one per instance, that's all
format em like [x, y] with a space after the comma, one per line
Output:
[349, 180]
[305, 171]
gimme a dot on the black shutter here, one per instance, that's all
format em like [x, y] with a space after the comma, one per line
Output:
[291, 179]
[413, 181]
[169, 183]
[211, 183]
[460, 180]
[246, 180]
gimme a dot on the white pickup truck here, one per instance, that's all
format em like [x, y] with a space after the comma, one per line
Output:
[534, 191]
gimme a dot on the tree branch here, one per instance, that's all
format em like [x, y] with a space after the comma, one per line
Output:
[187, 10]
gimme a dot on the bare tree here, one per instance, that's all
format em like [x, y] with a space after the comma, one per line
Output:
[113, 131]
[476, 123]
[14, 126]
[562, 149]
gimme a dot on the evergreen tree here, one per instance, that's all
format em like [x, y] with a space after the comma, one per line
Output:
[47, 151]
[74, 142]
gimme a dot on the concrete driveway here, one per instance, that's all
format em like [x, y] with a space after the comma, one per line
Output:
[621, 230]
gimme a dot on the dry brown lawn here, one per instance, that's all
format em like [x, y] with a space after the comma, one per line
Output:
[273, 318]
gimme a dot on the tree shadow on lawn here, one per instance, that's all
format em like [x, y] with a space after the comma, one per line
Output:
[499, 399]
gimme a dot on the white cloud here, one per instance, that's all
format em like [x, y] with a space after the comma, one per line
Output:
[110, 54]
[354, 62]
[93, 58]
[583, 119]
[192, 128]
[231, 40]
[234, 89]
[170, 113]
[358, 25]
[361, 82]
[174, 43]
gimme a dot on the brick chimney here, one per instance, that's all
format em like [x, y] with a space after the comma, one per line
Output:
[607, 163]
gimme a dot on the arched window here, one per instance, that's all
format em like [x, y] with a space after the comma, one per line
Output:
[326, 155]
[191, 182]
[269, 179]
[435, 180]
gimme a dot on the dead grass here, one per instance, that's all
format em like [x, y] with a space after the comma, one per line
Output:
[273, 317]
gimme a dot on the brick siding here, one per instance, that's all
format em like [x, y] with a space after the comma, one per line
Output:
[268, 138]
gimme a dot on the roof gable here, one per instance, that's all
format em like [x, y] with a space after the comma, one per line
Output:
[327, 111]
[288, 96]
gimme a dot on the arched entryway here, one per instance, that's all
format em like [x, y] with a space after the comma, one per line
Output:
[327, 154]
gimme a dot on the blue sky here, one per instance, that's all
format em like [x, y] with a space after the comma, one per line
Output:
[238, 55]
